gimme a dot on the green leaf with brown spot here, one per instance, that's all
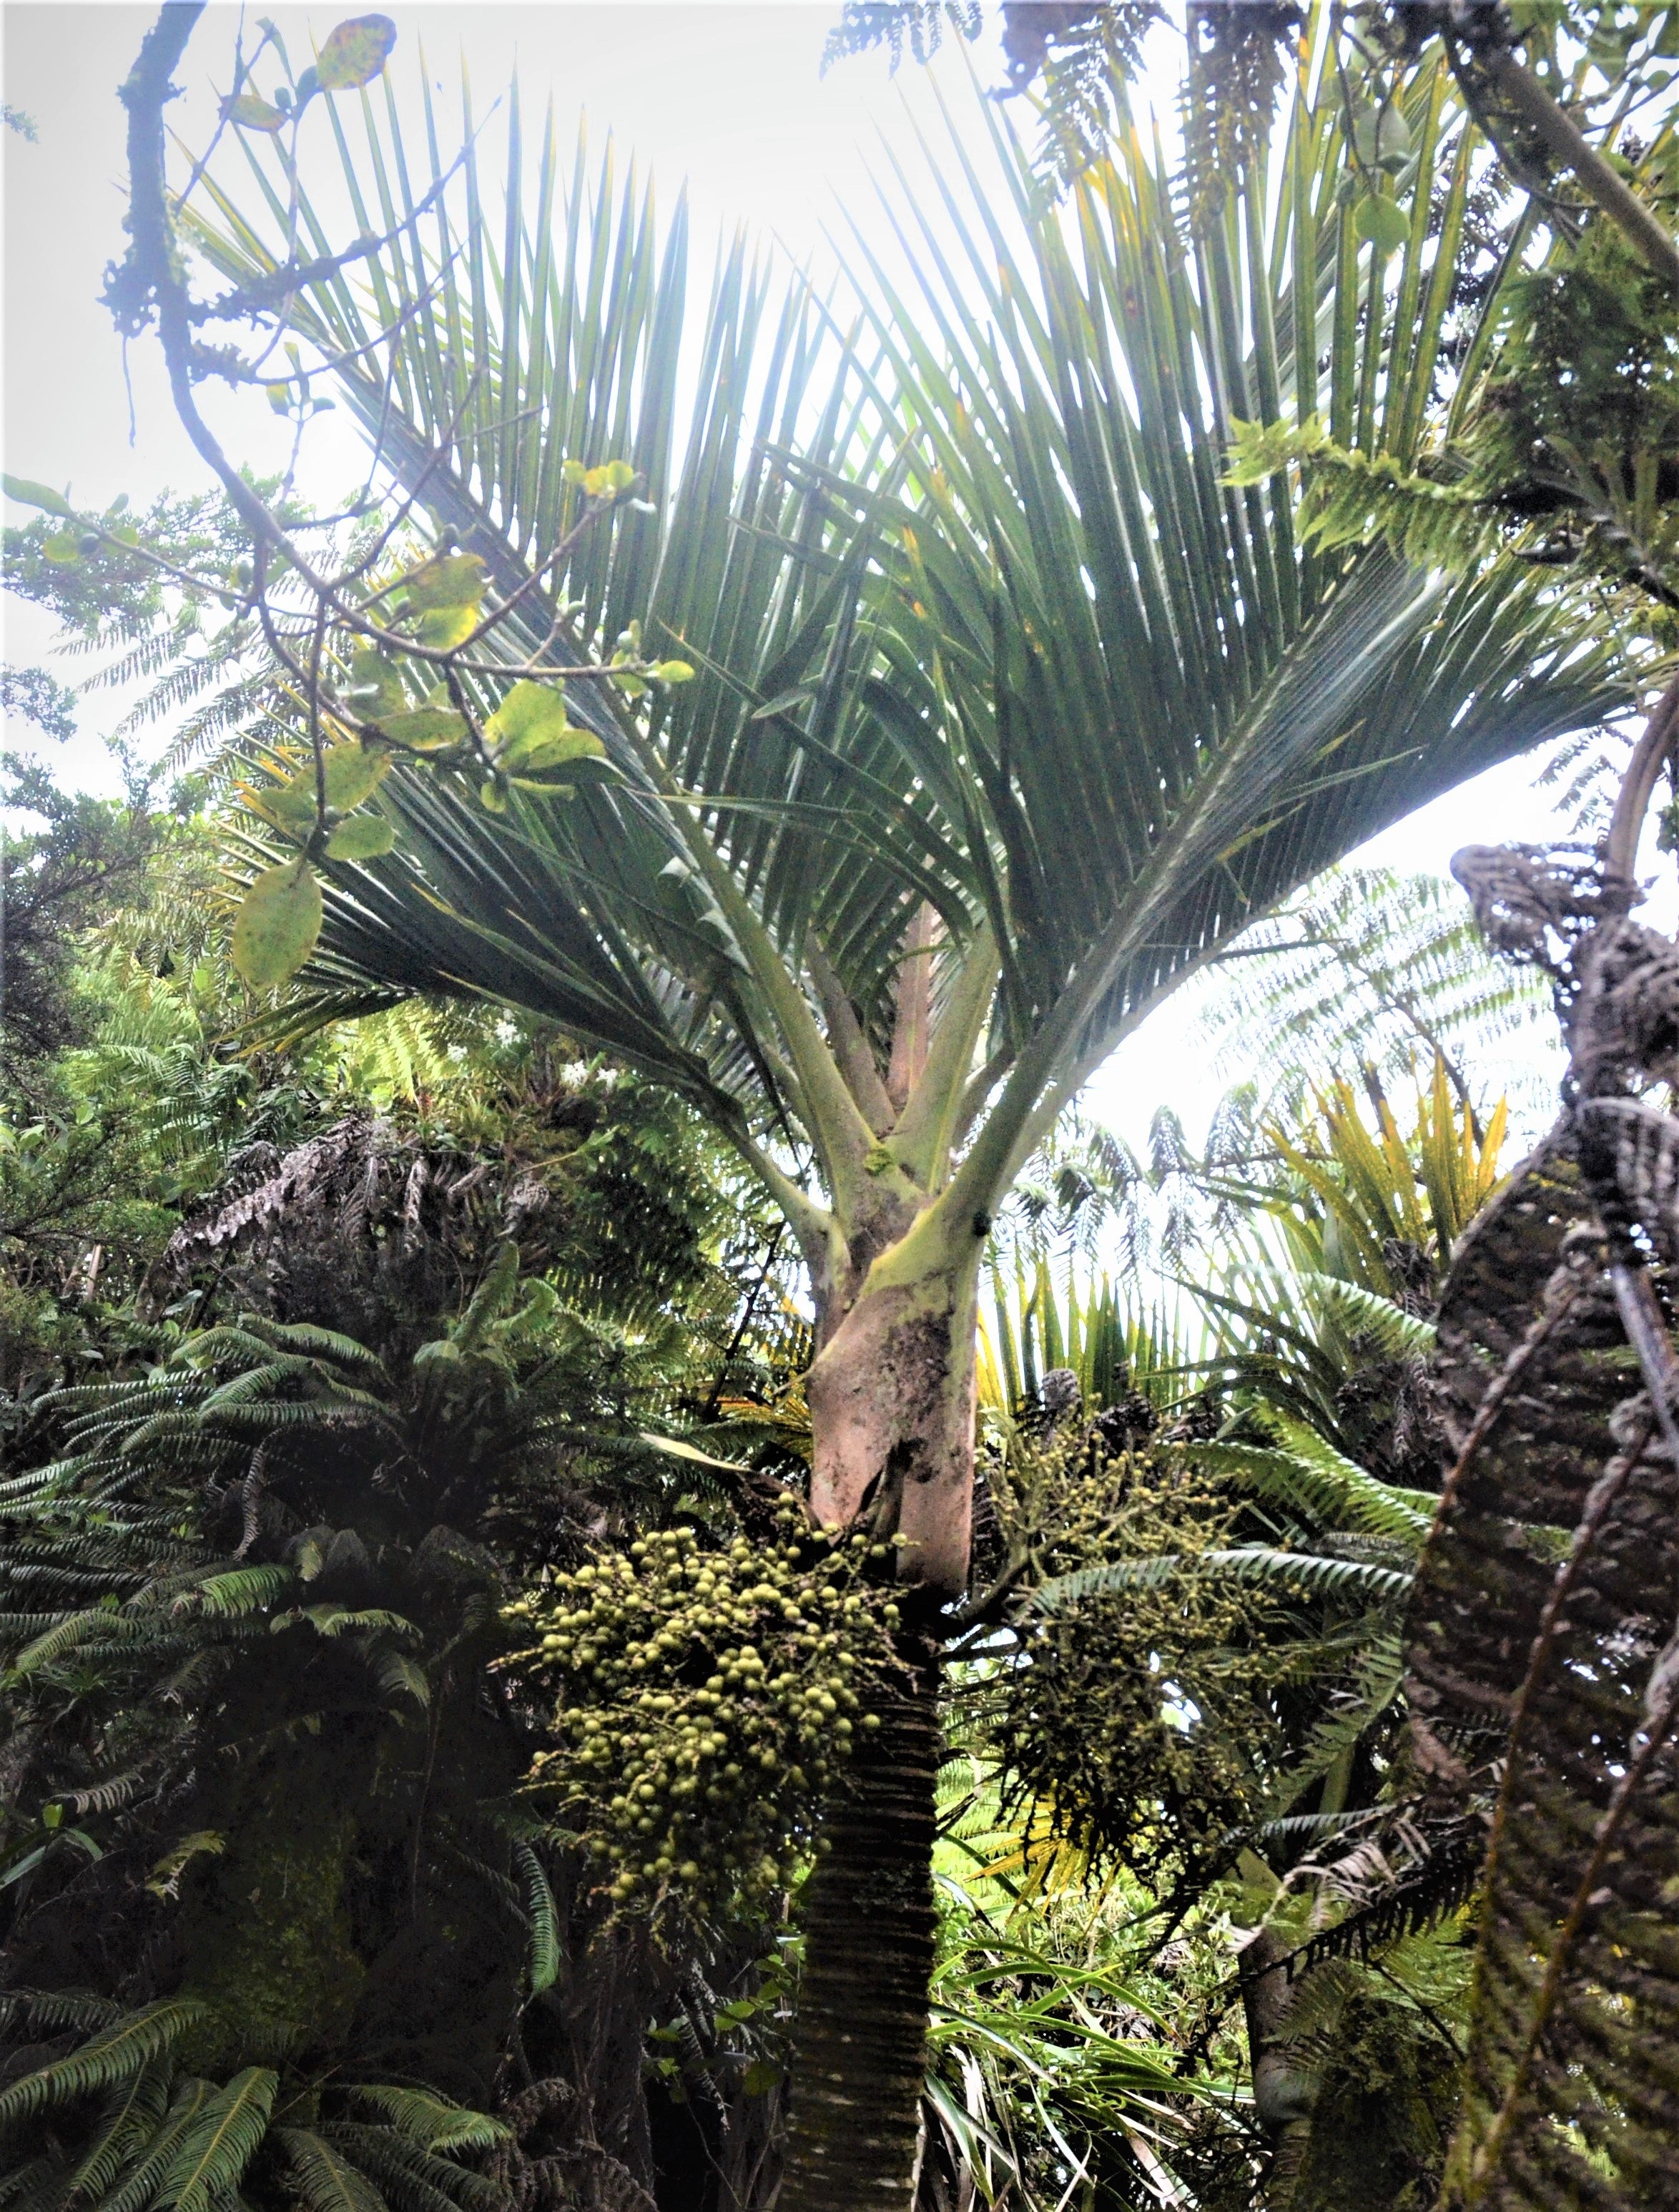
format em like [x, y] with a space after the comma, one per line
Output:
[353, 773]
[275, 929]
[446, 627]
[355, 52]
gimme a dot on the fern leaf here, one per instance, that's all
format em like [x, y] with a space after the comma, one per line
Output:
[112, 2056]
[130, 2120]
[410, 2178]
[220, 2144]
[544, 1920]
[322, 2178]
[1294, 1572]
[135, 2192]
[432, 2122]
[397, 1677]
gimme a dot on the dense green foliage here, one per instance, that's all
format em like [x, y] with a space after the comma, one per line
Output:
[428, 1697]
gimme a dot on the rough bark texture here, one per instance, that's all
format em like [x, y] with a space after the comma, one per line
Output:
[891, 1396]
[1284, 2092]
[858, 2043]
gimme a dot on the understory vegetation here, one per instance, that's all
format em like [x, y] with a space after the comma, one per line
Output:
[402, 1434]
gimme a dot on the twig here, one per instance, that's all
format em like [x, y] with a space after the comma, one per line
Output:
[1563, 139]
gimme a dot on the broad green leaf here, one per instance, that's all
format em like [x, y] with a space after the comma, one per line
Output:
[276, 929]
[61, 550]
[1381, 136]
[530, 731]
[291, 806]
[363, 837]
[561, 750]
[355, 52]
[429, 728]
[1383, 221]
[444, 627]
[36, 495]
[493, 795]
[448, 580]
[529, 712]
[353, 773]
[252, 113]
[375, 689]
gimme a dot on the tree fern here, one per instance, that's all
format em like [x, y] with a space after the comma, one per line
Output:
[1371, 967]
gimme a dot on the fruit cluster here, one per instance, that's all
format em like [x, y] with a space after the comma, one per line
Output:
[708, 1699]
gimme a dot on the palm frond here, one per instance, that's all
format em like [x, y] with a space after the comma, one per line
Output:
[977, 620]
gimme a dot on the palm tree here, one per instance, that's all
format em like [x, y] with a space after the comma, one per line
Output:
[1009, 713]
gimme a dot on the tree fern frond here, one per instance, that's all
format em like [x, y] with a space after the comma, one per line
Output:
[136, 2192]
[410, 2177]
[130, 2120]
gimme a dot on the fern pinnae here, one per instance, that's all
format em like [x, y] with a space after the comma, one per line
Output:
[215, 2151]
[135, 2192]
[132, 2118]
[1293, 1572]
[433, 2122]
[405, 2174]
[110, 2056]
[324, 2179]
[544, 1955]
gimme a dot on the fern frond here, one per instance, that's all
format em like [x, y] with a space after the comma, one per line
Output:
[222, 2142]
[322, 2176]
[1293, 1572]
[544, 1919]
[433, 2122]
[112, 2055]
[129, 2121]
[135, 2192]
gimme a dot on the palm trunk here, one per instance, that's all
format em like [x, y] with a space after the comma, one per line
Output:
[858, 2042]
[891, 1396]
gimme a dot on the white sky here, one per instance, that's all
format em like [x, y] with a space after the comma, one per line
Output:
[725, 95]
